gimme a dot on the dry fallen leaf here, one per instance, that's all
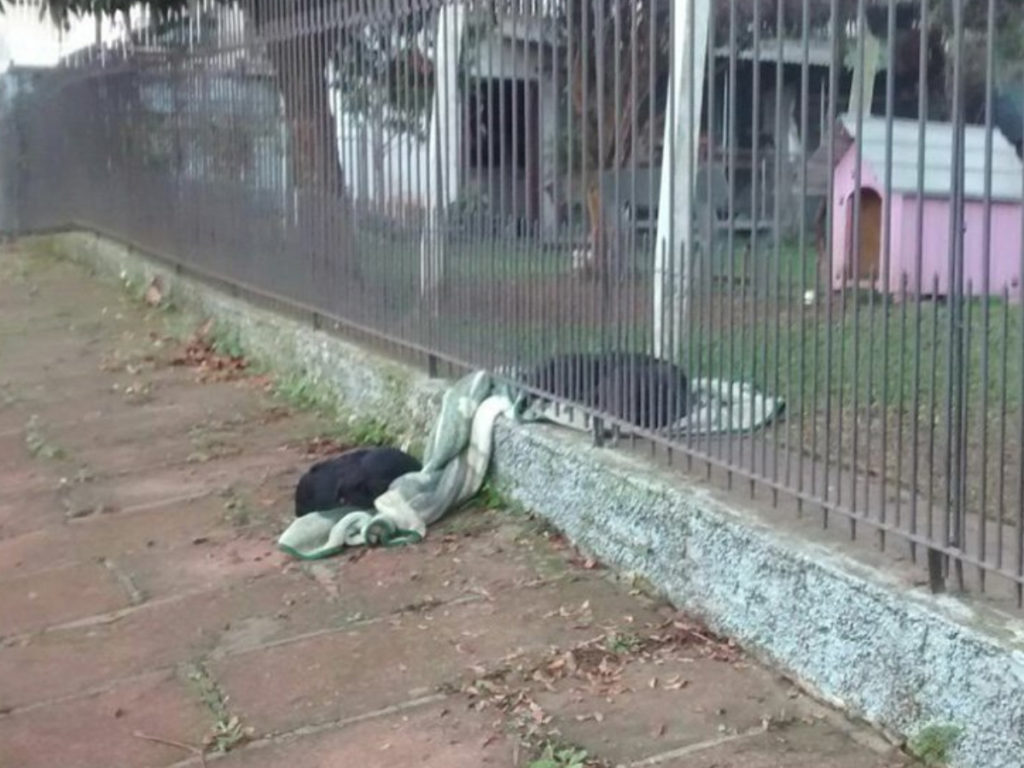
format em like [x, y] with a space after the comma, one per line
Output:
[199, 353]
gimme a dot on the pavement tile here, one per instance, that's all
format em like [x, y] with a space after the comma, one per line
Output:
[40, 600]
[72, 661]
[99, 731]
[221, 557]
[161, 484]
[439, 736]
[668, 705]
[21, 476]
[34, 512]
[798, 746]
[382, 663]
[154, 536]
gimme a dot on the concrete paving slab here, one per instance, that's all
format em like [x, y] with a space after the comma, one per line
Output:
[798, 746]
[107, 729]
[40, 600]
[72, 661]
[436, 736]
[381, 663]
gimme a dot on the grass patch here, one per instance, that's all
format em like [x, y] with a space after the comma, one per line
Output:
[227, 341]
[302, 393]
[397, 258]
[369, 430]
[298, 391]
[866, 346]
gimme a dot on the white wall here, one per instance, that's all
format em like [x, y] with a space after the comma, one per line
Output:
[404, 166]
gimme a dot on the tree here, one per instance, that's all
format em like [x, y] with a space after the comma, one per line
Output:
[383, 75]
[617, 85]
[738, 20]
[303, 43]
[299, 49]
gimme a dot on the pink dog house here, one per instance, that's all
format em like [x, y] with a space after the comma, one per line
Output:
[1007, 210]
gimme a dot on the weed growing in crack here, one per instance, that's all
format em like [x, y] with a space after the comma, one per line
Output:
[228, 734]
[7, 396]
[227, 731]
[622, 643]
[239, 513]
[38, 444]
[556, 756]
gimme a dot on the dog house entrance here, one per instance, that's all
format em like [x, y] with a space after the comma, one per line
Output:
[864, 268]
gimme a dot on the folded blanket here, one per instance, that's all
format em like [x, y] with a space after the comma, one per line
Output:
[322, 534]
[717, 406]
[454, 467]
[721, 406]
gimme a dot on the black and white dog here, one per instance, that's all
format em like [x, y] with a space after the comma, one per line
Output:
[634, 387]
[352, 479]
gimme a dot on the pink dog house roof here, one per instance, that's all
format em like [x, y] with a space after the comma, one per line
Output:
[1006, 170]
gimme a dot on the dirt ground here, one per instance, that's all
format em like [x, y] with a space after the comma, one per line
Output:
[146, 618]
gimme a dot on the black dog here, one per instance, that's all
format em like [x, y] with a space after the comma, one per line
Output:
[355, 478]
[637, 388]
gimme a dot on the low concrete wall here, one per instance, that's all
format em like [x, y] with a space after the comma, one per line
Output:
[902, 659]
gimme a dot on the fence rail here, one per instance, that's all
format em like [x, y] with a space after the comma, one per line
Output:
[813, 209]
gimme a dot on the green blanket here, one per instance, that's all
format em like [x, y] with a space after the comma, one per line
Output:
[454, 467]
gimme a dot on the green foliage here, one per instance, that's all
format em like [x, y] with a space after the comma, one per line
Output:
[227, 341]
[39, 444]
[386, 70]
[368, 430]
[622, 643]
[933, 744]
[489, 497]
[299, 392]
[227, 731]
[561, 757]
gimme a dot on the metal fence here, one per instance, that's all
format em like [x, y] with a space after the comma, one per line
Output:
[810, 203]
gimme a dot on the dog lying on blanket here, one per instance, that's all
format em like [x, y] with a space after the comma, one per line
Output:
[637, 388]
[354, 478]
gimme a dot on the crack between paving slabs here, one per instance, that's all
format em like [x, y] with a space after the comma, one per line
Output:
[215, 654]
[312, 730]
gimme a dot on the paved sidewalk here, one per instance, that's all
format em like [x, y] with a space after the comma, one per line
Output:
[147, 620]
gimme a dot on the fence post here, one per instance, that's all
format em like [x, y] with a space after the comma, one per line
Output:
[674, 242]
